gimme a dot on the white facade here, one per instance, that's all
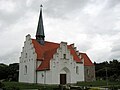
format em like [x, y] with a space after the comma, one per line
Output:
[27, 63]
[61, 63]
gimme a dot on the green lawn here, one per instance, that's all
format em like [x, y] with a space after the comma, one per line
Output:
[20, 86]
[98, 83]
[27, 86]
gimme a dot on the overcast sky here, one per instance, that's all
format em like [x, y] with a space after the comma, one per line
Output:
[93, 25]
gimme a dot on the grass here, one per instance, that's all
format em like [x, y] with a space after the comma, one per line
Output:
[94, 89]
[28, 86]
[98, 84]
[22, 86]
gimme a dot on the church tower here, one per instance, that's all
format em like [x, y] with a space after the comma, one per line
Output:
[40, 29]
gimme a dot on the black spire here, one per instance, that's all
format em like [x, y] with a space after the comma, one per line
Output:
[40, 29]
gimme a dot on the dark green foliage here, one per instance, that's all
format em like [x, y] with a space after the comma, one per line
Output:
[112, 69]
[21, 86]
[3, 71]
[1, 85]
[9, 72]
[13, 71]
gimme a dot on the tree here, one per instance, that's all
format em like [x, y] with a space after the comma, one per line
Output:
[9, 72]
[3, 71]
[113, 70]
[13, 71]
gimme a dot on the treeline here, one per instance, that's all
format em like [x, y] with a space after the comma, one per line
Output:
[105, 70]
[108, 70]
[9, 72]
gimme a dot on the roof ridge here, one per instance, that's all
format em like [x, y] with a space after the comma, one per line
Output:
[51, 42]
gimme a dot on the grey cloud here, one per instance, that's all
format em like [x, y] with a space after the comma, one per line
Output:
[116, 48]
[112, 3]
[10, 58]
[115, 51]
[58, 9]
[83, 47]
[103, 24]
[115, 55]
[10, 18]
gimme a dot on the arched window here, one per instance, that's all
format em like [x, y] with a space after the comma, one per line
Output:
[77, 70]
[25, 55]
[25, 69]
[64, 56]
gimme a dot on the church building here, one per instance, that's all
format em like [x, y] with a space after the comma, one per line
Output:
[47, 62]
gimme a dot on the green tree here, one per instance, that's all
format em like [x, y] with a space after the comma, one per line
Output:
[13, 71]
[3, 71]
[113, 70]
[9, 72]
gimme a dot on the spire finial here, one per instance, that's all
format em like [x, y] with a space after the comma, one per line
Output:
[41, 5]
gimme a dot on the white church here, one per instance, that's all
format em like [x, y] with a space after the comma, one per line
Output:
[46, 62]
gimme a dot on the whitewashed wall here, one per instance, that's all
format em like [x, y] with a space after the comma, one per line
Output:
[28, 58]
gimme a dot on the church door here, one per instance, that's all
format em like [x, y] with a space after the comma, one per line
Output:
[63, 79]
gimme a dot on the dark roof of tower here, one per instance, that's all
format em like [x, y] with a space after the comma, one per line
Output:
[40, 27]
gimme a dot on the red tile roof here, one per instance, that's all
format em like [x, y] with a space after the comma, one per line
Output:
[87, 61]
[45, 54]
[41, 49]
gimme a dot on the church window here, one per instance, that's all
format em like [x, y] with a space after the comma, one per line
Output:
[25, 69]
[42, 75]
[77, 70]
[64, 56]
[25, 55]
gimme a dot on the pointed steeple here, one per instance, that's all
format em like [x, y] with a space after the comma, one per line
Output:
[40, 29]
